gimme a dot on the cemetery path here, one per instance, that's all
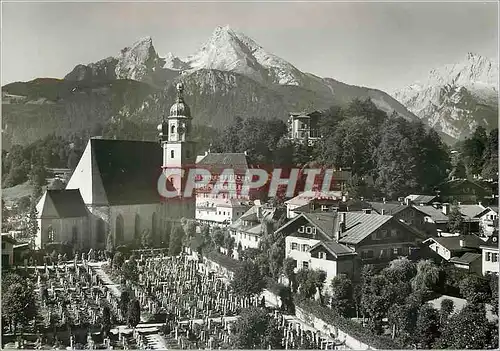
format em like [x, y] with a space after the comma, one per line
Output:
[97, 268]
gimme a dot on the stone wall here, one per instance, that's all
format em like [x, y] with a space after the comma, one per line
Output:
[326, 328]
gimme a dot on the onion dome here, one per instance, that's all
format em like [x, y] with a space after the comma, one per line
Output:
[180, 108]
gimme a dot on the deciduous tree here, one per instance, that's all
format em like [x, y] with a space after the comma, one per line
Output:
[248, 280]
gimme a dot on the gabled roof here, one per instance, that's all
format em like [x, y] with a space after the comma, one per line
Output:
[217, 162]
[466, 258]
[62, 204]
[458, 182]
[350, 205]
[437, 215]
[390, 208]
[421, 199]
[324, 221]
[492, 242]
[472, 211]
[233, 203]
[255, 225]
[307, 196]
[334, 248]
[118, 172]
[452, 243]
[360, 225]
[68, 203]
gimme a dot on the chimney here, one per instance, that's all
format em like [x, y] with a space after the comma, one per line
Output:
[362, 198]
[383, 200]
[344, 198]
[401, 200]
[382, 212]
[462, 243]
[480, 203]
[341, 222]
[459, 203]
[259, 212]
[446, 208]
[246, 153]
[407, 201]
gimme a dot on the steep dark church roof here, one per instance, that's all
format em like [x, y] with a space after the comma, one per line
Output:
[62, 204]
[118, 172]
[129, 170]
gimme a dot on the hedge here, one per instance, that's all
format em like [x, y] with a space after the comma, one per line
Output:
[225, 261]
[348, 326]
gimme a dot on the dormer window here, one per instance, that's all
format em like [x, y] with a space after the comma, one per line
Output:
[322, 255]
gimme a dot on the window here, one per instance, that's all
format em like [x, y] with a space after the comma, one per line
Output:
[305, 265]
[383, 234]
[3, 246]
[295, 246]
[301, 229]
[172, 128]
[74, 235]
[494, 257]
[305, 247]
[412, 214]
[309, 230]
[394, 233]
[255, 238]
[488, 256]
[51, 234]
[322, 255]
[369, 254]
[171, 153]
[395, 251]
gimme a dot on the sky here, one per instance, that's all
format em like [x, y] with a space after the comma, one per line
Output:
[384, 45]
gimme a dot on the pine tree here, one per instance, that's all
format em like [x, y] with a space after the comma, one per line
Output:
[455, 220]
[134, 313]
[32, 224]
[110, 245]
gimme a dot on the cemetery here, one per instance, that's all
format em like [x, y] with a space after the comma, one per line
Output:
[152, 302]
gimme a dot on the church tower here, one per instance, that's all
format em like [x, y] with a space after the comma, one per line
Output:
[178, 152]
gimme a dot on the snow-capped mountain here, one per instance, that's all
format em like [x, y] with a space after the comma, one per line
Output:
[228, 50]
[456, 98]
[230, 75]
[138, 62]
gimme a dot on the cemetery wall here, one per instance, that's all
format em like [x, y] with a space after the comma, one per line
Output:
[327, 328]
[317, 323]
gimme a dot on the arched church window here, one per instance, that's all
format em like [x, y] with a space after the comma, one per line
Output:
[74, 235]
[137, 232]
[101, 232]
[119, 230]
[154, 225]
[51, 234]
[171, 153]
[172, 128]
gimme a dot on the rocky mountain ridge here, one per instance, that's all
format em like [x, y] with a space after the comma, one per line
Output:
[456, 98]
[230, 75]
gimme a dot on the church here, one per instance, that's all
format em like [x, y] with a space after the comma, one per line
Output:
[113, 190]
